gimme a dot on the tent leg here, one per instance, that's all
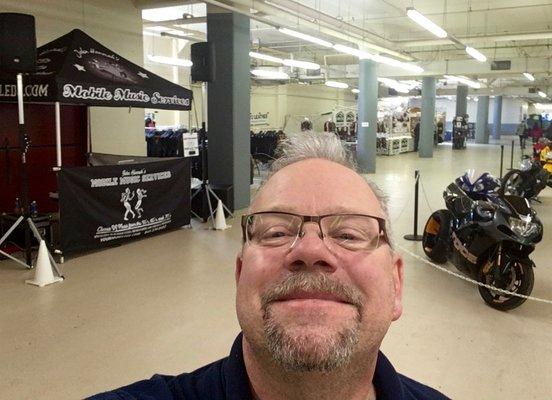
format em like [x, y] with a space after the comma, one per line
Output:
[88, 133]
[58, 134]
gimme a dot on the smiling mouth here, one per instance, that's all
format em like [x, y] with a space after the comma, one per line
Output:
[302, 295]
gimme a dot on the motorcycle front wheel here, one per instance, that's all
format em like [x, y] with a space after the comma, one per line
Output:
[436, 237]
[512, 184]
[518, 278]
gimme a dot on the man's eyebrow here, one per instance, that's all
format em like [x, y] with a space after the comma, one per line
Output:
[333, 210]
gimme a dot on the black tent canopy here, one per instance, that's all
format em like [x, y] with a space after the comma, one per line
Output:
[76, 69]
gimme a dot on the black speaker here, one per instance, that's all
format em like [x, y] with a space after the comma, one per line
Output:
[203, 59]
[17, 42]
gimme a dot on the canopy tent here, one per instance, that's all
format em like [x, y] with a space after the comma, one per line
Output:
[76, 69]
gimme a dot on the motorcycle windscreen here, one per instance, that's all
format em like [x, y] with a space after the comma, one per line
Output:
[520, 204]
[457, 199]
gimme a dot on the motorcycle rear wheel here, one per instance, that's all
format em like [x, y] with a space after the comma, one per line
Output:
[520, 278]
[511, 184]
[436, 237]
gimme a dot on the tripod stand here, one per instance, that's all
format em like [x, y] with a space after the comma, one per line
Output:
[29, 227]
[205, 189]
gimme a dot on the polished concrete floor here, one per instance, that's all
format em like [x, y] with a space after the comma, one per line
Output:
[166, 305]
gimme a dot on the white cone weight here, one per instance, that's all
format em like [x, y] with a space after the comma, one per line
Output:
[43, 269]
[220, 221]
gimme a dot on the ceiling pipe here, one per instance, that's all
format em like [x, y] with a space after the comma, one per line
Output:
[179, 21]
[478, 39]
[304, 11]
[305, 23]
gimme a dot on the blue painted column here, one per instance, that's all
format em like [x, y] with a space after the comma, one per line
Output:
[427, 122]
[228, 100]
[461, 100]
[497, 116]
[367, 116]
[482, 120]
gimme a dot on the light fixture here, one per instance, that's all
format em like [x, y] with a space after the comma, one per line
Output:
[269, 74]
[425, 22]
[187, 16]
[464, 80]
[396, 63]
[395, 85]
[300, 64]
[265, 57]
[178, 62]
[352, 51]
[476, 54]
[529, 76]
[355, 90]
[305, 37]
[542, 94]
[377, 58]
[334, 84]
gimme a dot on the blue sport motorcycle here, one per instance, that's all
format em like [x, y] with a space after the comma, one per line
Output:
[487, 237]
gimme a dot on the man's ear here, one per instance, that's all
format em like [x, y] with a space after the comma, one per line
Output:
[398, 281]
[239, 263]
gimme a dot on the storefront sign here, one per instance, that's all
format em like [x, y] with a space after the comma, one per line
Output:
[259, 118]
[105, 205]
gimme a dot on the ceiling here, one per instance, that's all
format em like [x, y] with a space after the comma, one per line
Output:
[516, 30]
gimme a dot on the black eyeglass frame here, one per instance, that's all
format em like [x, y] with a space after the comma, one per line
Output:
[317, 219]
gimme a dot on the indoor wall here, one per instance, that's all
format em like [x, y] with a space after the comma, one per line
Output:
[286, 105]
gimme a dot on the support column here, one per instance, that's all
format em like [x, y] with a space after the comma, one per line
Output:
[367, 116]
[461, 100]
[497, 117]
[427, 122]
[482, 120]
[229, 103]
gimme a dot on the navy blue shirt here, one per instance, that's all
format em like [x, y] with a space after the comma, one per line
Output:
[227, 379]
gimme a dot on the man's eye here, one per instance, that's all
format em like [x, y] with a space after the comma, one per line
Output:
[346, 235]
[274, 233]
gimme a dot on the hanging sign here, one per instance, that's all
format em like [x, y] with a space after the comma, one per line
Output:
[105, 205]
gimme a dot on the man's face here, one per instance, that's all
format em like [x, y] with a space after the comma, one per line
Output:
[313, 307]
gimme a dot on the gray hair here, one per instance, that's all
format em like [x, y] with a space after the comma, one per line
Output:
[327, 146]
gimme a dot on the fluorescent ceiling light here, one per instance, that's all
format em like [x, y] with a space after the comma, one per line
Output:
[170, 61]
[300, 64]
[541, 94]
[377, 58]
[396, 63]
[339, 85]
[395, 85]
[476, 54]
[354, 90]
[305, 37]
[464, 80]
[352, 51]
[265, 57]
[425, 22]
[529, 76]
[269, 74]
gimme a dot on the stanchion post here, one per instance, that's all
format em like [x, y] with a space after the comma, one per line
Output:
[512, 156]
[415, 236]
[501, 159]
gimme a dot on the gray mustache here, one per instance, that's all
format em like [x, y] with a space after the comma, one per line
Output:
[311, 282]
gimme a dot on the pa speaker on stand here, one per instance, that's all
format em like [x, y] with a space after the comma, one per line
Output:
[17, 43]
[18, 55]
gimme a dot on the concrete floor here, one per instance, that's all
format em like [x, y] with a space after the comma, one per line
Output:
[166, 305]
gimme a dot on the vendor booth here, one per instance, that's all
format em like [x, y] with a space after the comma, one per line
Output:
[120, 201]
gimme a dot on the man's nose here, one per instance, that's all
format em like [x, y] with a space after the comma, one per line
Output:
[310, 251]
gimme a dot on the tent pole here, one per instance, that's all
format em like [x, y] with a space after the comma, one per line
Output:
[88, 132]
[58, 134]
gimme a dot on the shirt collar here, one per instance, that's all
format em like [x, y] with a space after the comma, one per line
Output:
[236, 382]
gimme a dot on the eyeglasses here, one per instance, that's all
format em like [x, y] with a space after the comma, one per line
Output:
[354, 232]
